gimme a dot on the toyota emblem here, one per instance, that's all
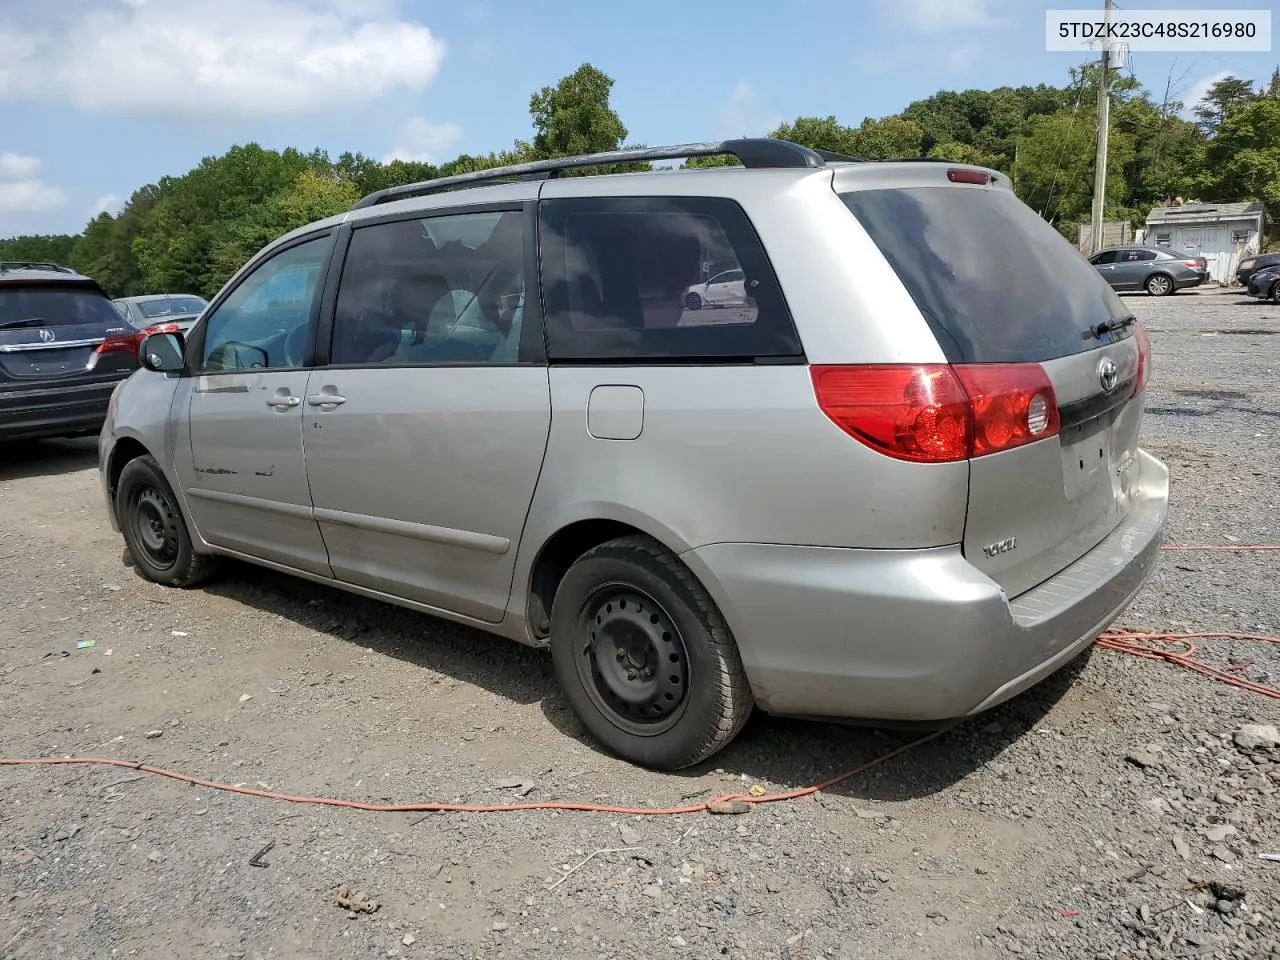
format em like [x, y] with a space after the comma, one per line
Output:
[46, 335]
[1108, 374]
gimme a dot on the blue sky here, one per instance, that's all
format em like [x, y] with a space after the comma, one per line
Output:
[98, 97]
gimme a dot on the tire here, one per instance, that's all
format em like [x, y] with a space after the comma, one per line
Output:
[1275, 292]
[155, 532]
[693, 301]
[645, 658]
[1160, 285]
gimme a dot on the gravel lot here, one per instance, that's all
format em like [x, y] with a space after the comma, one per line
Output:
[1108, 813]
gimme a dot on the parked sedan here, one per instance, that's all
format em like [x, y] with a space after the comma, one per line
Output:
[63, 350]
[1265, 284]
[180, 309]
[1159, 272]
[1251, 265]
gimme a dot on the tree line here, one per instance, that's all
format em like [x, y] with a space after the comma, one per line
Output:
[190, 233]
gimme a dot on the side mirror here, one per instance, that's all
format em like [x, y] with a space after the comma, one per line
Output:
[162, 352]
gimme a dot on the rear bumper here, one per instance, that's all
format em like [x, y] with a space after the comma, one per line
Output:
[918, 634]
[55, 411]
[1182, 283]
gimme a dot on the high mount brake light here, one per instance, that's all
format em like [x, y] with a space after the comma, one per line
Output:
[967, 176]
[939, 413]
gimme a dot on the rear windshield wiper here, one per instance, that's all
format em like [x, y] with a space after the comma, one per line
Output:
[29, 322]
[1110, 326]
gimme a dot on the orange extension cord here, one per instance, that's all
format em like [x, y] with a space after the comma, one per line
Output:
[1143, 645]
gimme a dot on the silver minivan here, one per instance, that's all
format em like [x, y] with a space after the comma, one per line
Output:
[897, 479]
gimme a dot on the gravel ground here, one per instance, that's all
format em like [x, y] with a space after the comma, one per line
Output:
[1110, 812]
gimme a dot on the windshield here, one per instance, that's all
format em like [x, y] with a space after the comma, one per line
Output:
[171, 306]
[995, 282]
[53, 306]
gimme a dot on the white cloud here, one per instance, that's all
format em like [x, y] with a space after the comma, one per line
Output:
[963, 56]
[743, 116]
[108, 202]
[1198, 90]
[21, 189]
[422, 142]
[15, 166]
[30, 196]
[939, 16]
[232, 58]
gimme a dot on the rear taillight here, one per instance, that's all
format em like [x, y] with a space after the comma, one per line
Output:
[1144, 357]
[1194, 264]
[125, 343]
[935, 413]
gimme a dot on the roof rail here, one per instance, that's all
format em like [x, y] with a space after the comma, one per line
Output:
[32, 265]
[753, 153]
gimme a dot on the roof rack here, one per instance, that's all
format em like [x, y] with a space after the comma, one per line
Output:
[753, 153]
[32, 265]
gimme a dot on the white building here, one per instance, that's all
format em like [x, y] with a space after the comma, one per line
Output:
[1222, 233]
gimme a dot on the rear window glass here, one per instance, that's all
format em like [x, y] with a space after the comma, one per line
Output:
[994, 281]
[654, 278]
[52, 306]
[171, 307]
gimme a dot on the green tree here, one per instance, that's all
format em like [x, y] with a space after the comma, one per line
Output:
[890, 138]
[50, 248]
[574, 116]
[1054, 169]
[1217, 102]
[1244, 158]
[819, 133]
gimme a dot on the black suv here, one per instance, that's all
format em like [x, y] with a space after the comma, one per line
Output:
[1255, 262]
[63, 349]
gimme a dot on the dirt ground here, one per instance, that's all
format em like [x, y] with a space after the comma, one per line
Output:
[1112, 812]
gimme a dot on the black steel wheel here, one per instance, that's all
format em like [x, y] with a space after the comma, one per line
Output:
[644, 656]
[633, 663]
[155, 533]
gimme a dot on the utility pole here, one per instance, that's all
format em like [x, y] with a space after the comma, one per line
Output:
[1104, 127]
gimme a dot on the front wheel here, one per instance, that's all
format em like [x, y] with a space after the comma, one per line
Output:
[1275, 292]
[645, 658]
[153, 527]
[693, 301]
[1160, 285]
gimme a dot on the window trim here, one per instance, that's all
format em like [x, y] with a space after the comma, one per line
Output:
[194, 344]
[687, 202]
[532, 347]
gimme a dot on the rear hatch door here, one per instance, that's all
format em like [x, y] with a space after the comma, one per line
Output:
[998, 285]
[51, 331]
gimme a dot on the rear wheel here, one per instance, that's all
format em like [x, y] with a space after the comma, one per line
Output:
[154, 531]
[1160, 285]
[1275, 292]
[645, 658]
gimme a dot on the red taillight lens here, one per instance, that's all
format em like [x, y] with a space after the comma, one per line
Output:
[1013, 404]
[935, 413]
[126, 343]
[1144, 357]
[1194, 264]
[161, 328]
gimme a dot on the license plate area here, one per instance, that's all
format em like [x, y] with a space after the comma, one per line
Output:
[1087, 459]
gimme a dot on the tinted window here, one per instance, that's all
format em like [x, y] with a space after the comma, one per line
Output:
[625, 278]
[266, 319]
[50, 306]
[170, 306]
[994, 281]
[1143, 255]
[446, 289]
[1107, 256]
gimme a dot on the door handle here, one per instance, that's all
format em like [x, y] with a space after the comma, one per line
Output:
[325, 399]
[283, 401]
